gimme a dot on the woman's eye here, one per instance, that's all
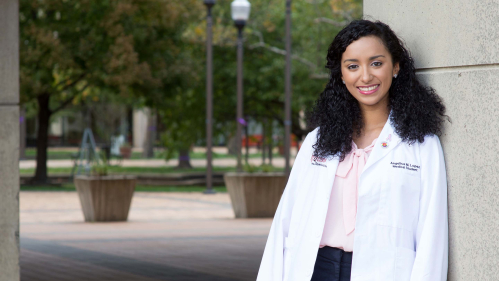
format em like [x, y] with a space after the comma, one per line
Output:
[352, 66]
[376, 63]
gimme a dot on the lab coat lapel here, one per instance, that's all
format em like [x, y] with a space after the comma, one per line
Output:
[332, 165]
[325, 178]
[388, 139]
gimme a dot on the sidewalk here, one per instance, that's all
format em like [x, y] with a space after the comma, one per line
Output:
[169, 236]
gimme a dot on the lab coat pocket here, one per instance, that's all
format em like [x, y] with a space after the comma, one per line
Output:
[404, 263]
[399, 200]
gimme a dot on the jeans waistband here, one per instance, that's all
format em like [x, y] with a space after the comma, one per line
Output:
[336, 254]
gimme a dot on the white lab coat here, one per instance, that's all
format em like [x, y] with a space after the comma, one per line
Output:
[401, 230]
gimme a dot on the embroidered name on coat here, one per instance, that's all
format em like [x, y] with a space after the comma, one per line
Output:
[406, 166]
[318, 161]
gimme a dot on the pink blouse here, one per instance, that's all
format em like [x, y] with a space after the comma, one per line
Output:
[340, 220]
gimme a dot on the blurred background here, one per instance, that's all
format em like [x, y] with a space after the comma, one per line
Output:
[118, 180]
[134, 72]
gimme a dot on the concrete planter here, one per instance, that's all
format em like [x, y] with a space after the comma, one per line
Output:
[105, 198]
[255, 195]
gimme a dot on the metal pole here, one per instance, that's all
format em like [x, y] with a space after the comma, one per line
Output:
[240, 25]
[209, 100]
[287, 106]
[246, 134]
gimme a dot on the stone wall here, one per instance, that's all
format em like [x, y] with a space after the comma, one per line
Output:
[9, 140]
[456, 50]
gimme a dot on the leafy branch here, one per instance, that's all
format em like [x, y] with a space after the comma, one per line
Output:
[331, 21]
[261, 44]
[69, 100]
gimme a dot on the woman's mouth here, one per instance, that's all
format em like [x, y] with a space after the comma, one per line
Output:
[367, 90]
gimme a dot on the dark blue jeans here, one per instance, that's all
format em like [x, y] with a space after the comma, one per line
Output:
[332, 264]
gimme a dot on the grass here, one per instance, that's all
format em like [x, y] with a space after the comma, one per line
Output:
[64, 187]
[140, 188]
[132, 170]
[54, 154]
[192, 155]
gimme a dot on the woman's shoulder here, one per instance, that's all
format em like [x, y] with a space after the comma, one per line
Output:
[431, 149]
[311, 137]
[431, 141]
[309, 141]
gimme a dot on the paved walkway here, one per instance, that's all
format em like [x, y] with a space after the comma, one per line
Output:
[169, 236]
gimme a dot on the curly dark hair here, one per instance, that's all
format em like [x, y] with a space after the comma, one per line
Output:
[416, 110]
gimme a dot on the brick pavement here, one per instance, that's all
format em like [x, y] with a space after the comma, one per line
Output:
[169, 236]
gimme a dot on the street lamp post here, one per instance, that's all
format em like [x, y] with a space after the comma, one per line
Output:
[209, 98]
[240, 10]
[287, 105]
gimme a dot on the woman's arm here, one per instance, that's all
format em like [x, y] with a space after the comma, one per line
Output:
[432, 244]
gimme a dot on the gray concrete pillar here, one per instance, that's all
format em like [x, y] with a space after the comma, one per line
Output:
[9, 140]
[455, 46]
[140, 117]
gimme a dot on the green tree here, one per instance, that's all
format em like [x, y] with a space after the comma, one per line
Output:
[71, 50]
[315, 23]
[179, 102]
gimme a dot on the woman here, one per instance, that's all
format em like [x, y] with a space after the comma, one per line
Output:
[367, 196]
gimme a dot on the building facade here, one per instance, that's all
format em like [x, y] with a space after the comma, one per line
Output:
[455, 47]
[9, 140]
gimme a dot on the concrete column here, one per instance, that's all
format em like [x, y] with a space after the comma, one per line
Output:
[140, 117]
[455, 46]
[9, 140]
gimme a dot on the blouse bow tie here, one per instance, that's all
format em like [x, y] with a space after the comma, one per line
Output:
[353, 163]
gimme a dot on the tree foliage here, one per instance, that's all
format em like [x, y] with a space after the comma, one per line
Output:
[314, 25]
[153, 53]
[71, 51]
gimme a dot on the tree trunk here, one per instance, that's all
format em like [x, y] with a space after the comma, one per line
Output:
[271, 140]
[42, 139]
[232, 145]
[263, 143]
[184, 161]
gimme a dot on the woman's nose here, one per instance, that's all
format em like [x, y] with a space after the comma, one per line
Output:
[366, 75]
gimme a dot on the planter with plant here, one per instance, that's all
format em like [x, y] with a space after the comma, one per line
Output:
[256, 192]
[105, 197]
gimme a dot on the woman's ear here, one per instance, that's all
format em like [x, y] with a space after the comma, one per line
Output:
[396, 69]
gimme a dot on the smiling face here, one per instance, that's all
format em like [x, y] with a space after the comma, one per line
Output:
[367, 69]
